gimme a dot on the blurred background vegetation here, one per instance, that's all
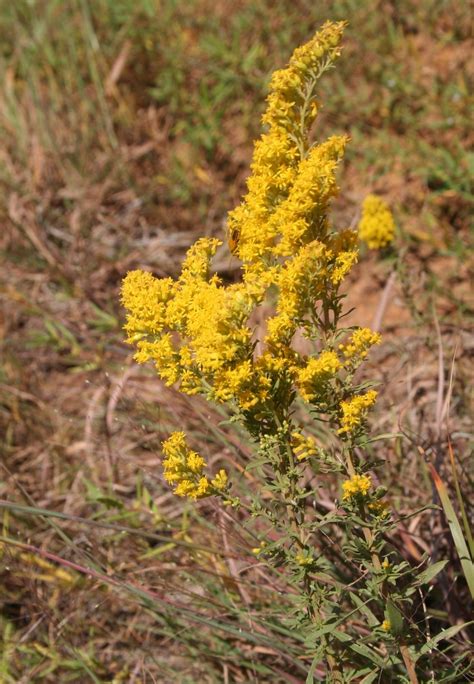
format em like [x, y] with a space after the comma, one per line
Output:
[126, 131]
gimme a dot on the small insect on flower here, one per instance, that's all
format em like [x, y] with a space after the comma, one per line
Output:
[233, 238]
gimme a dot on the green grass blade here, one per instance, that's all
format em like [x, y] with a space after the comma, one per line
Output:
[456, 530]
[462, 508]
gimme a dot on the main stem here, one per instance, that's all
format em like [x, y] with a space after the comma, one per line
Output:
[296, 516]
[369, 538]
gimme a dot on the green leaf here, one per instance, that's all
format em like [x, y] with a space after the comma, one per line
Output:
[326, 629]
[431, 572]
[462, 508]
[316, 660]
[379, 438]
[445, 634]
[359, 648]
[372, 621]
[395, 617]
[110, 502]
[370, 678]
[368, 653]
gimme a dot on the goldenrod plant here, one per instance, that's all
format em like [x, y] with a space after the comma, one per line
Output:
[357, 614]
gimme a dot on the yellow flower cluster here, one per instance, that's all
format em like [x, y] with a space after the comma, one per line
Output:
[259, 549]
[357, 486]
[379, 508]
[199, 332]
[376, 227]
[355, 410]
[314, 271]
[304, 558]
[303, 447]
[313, 377]
[196, 329]
[358, 345]
[184, 470]
[301, 280]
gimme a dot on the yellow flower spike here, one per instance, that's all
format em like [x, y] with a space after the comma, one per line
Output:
[301, 281]
[203, 488]
[285, 178]
[313, 187]
[345, 252]
[280, 330]
[306, 63]
[356, 486]
[165, 356]
[186, 488]
[194, 462]
[243, 383]
[376, 227]
[386, 625]
[342, 265]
